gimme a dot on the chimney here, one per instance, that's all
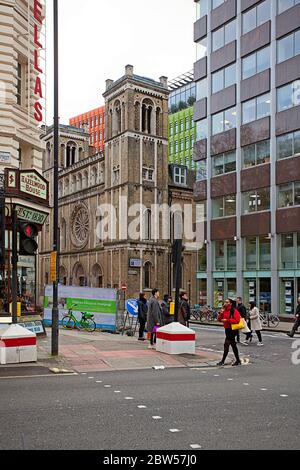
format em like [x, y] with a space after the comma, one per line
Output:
[164, 81]
[129, 70]
[109, 83]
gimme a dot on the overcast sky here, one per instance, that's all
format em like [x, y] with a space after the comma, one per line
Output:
[97, 38]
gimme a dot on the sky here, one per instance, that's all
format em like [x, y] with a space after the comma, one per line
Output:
[97, 38]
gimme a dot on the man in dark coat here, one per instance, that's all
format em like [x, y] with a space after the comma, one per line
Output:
[297, 322]
[184, 309]
[142, 314]
[154, 316]
[242, 311]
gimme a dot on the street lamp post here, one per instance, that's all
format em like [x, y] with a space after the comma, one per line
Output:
[55, 314]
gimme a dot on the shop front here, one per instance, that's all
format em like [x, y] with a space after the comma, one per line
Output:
[224, 288]
[257, 288]
[289, 289]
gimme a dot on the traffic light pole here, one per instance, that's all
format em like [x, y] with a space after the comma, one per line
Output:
[2, 234]
[14, 263]
[55, 313]
[178, 278]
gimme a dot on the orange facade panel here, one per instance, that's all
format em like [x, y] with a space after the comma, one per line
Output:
[94, 120]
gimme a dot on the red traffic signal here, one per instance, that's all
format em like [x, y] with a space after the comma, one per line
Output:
[28, 245]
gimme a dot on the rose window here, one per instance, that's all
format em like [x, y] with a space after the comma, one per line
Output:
[80, 226]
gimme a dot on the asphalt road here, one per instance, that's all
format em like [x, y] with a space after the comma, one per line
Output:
[255, 406]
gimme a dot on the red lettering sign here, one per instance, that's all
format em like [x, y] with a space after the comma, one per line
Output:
[38, 90]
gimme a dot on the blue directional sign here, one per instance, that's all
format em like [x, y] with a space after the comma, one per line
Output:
[132, 307]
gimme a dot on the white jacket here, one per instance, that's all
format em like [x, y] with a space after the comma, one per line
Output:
[255, 320]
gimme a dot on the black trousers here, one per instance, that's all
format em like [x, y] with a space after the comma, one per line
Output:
[153, 339]
[142, 327]
[230, 341]
[295, 326]
[258, 333]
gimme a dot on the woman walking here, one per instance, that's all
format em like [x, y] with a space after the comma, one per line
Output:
[254, 325]
[229, 316]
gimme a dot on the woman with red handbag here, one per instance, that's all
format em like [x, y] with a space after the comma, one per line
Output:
[229, 316]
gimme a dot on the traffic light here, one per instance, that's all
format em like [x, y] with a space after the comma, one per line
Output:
[28, 233]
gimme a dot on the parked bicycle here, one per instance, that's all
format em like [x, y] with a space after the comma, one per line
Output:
[208, 313]
[269, 319]
[86, 322]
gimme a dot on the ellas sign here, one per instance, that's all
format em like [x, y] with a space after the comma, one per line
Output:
[38, 91]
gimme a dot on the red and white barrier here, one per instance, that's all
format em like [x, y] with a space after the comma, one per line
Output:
[17, 345]
[175, 339]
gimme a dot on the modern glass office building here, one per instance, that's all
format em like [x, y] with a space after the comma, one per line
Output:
[247, 151]
[182, 129]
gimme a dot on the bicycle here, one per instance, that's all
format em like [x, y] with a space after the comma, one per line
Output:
[86, 322]
[195, 313]
[269, 319]
[207, 313]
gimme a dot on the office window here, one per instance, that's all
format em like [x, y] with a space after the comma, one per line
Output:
[201, 170]
[202, 8]
[187, 143]
[224, 121]
[289, 194]
[171, 129]
[258, 253]
[256, 108]
[256, 154]
[223, 78]
[256, 16]
[288, 47]
[201, 48]
[187, 123]
[225, 163]
[256, 201]
[217, 3]
[101, 118]
[181, 125]
[288, 145]
[224, 253]
[286, 4]
[176, 146]
[224, 35]
[202, 89]
[181, 145]
[256, 63]
[288, 96]
[224, 206]
[202, 129]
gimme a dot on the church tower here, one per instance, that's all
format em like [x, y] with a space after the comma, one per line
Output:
[136, 180]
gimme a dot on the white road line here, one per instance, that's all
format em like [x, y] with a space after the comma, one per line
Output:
[142, 407]
[230, 379]
[117, 391]
[174, 430]
[98, 381]
[195, 446]
[284, 396]
[107, 386]
[129, 398]
[264, 389]
[91, 377]
[156, 417]
[216, 375]
[245, 383]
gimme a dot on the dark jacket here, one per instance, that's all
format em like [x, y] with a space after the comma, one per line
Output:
[297, 311]
[242, 310]
[154, 315]
[143, 309]
[184, 312]
[166, 317]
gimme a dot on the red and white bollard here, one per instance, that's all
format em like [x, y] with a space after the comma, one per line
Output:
[17, 345]
[175, 339]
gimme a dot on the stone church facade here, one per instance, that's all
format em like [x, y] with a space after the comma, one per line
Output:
[110, 204]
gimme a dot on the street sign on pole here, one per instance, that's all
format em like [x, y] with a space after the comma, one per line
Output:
[53, 266]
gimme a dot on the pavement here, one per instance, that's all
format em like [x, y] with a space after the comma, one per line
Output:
[98, 351]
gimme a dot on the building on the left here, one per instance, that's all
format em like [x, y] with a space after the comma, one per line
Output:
[22, 112]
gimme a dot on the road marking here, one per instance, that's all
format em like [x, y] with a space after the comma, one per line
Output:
[107, 386]
[203, 372]
[216, 375]
[117, 391]
[83, 373]
[174, 430]
[91, 377]
[129, 398]
[156, 417]
[230, 379]
[195, 446]
[245, 383]
[142, 407]
[264, 389]
[284, 396]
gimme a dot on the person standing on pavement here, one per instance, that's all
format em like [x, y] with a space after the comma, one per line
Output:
[297, 321]
[255, 325]
[165, 306]
[242, 311]
[142, 314]
[154, 317]
[184, 313]
[229, 316]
